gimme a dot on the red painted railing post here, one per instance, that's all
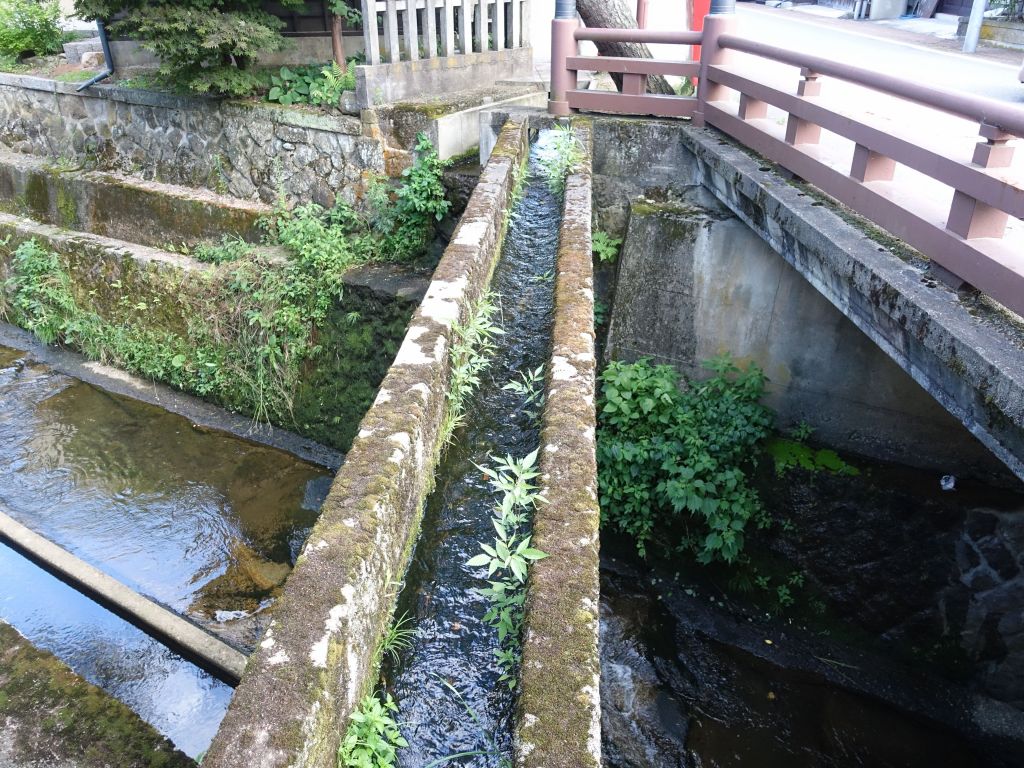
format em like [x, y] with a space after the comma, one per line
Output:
[711, 53]
[563, 80]
[968, 217]
[641, 14]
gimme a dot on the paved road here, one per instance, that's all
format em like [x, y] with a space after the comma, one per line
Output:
[794, 30]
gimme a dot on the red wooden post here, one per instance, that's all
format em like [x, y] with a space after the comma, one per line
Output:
[715, 25]
[641, 14]
[800, 131]
[968, 217]
[563, 79]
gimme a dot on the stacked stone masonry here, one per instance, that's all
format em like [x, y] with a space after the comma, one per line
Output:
[247, 150]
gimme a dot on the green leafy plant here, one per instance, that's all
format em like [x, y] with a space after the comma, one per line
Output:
[204, 46]
[230, 248]
[529, 385]
[398, 638]
[29, 27]
[562, 157]
[671, 457]
[600, 313]
[373, 738]
[316, 85]
[795, 454]
[470, 355]
[606, 248]
[510, 556]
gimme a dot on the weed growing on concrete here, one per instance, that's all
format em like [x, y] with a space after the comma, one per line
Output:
[563, 158]
[671, 458]
[470, 356]
[605, 247]
[373, 738]
[398, 638]
[230, 248]
[510, 555]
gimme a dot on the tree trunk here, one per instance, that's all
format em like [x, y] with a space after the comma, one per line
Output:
[612, 14]
[338, 39]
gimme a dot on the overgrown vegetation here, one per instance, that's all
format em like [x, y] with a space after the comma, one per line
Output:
[316, 85]
[672, 456]
[373, 738]
[29, 28]
[510, 555]
[245, 336]
[563, 157]
[204, 46]
[470, 356]
[605, 247]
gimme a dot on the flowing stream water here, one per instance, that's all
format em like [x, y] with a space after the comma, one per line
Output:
[696, 675]
[203, 522]
[452, 644]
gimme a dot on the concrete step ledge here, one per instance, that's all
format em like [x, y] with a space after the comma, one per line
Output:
[121, 206]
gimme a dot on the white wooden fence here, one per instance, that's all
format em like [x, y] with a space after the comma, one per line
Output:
[408, 30]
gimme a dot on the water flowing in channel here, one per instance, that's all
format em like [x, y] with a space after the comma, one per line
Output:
[205, 523]
[453, 645]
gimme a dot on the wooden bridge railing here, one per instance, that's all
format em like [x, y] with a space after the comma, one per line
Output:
[957, 202]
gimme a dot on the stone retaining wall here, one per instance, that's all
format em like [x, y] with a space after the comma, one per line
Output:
[244, 149]
[317, 659]
[559, 718]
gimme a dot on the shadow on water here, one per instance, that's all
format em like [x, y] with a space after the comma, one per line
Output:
[202, 522]
[452, 642]
[694, 675]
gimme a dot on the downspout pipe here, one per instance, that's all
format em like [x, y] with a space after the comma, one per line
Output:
[107, 58]
[565, 9]
[722, 6]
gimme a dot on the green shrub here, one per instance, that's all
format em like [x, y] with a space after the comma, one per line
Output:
[320, 86]
[204, 46]
[29, 27]
[373, 738]
[605, 247]
[671, 458]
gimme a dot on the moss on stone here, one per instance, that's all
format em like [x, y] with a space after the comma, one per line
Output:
[50, 714]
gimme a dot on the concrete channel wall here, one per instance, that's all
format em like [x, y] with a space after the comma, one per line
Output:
[559, 720]
[244, 149]
[318, 657]
[909, 357]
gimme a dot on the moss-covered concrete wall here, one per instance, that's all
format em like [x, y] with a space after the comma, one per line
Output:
[49, 716]
[151, 300]
[559, 718]
[122, 207]
[318, 657]
[240, 148]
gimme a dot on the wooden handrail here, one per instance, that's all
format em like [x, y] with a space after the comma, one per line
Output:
[638, 36]
[1008, 117]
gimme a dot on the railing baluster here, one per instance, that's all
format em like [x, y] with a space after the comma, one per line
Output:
[634, 85]
[391, 30]
[968, 217]
[412, 32]
[465, 26]
[751, 108]
[517, 24]
[481, 24]
[499, 25]
[800, 131]
[430, 31]
[448, 28]
[371, 43]
[525, 28]
[871, 166]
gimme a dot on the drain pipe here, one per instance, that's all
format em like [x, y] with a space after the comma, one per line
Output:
[107, 59]
[563, 45]
[722, 6]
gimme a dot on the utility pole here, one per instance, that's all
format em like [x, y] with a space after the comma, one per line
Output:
[974, 26]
